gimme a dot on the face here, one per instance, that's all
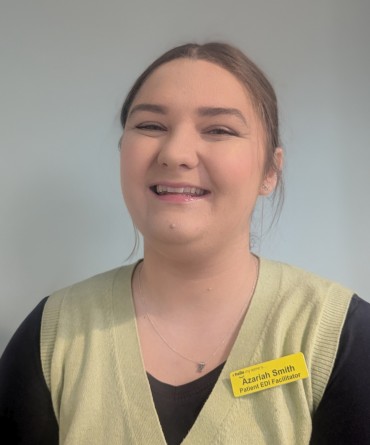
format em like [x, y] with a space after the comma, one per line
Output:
[192, 156]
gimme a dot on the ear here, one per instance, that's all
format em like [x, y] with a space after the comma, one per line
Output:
[270, 179]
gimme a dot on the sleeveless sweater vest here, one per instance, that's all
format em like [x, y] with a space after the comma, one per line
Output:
[92, 364]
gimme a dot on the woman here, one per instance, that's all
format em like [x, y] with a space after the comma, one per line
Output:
[144, 354]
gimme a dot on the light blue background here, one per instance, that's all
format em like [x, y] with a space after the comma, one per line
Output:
[65, 68]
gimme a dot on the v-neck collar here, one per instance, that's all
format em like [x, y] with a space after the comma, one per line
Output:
[132, 379]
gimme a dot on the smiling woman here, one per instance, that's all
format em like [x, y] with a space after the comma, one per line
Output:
[185, 132]
[164, 339]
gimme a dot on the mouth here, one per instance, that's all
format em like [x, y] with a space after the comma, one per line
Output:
[162, 190]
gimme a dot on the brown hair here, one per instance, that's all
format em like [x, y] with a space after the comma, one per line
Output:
[252, 78]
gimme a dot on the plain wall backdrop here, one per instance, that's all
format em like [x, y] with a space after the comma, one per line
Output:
[65, 67]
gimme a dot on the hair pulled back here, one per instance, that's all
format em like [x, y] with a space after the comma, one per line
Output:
[261, 92]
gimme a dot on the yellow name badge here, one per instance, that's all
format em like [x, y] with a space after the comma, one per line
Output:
[269, 374]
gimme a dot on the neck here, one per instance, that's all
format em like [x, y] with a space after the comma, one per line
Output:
[174, 284]
[189, 312]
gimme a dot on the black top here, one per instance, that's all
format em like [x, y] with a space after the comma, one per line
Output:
[343, 416]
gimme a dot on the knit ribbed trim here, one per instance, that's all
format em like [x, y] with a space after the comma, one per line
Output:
[327, 340]
[48, 333]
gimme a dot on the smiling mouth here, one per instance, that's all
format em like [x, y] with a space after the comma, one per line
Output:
[189, 191]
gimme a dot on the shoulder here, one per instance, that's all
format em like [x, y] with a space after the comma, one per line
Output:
[342, 416]
[101, 281]
[78, 316]
[312, 309]
[26, 411]
[354, 350]
[92, 290]
[92, 299]
[297, 283]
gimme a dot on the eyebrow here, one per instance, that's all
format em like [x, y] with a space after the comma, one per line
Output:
[202, 111]
[217, 111]
[154, 108]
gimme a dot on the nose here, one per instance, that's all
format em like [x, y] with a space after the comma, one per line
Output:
[179, 149]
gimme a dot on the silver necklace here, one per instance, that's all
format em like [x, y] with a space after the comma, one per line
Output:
[200, 365]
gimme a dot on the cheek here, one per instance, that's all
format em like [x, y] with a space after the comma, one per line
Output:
[126, 163]
[240, 171]
[130, 191]
[130, 160]
[125, 172]
[137, 154]
[129, 167]
[135, 165]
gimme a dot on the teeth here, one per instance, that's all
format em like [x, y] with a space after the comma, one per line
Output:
[161, 189]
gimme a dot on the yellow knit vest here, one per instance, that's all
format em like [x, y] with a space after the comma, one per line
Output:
[92, 364]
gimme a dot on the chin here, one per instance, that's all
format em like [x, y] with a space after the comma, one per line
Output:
[173, 233]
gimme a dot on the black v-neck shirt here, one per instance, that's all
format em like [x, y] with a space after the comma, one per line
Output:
[342, 418]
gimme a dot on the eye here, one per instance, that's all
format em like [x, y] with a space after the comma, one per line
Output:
[150, 126]
[221, 131]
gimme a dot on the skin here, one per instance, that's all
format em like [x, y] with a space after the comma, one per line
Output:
[192, 125]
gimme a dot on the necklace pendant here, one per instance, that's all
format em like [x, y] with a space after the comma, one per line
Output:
[200, 366]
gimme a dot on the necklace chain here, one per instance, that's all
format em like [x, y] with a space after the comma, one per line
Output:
[200, 364]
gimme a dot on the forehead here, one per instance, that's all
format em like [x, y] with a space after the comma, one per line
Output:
[194, 82]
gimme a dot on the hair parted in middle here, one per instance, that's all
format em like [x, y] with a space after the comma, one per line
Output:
[253, 79]
[232, 59]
